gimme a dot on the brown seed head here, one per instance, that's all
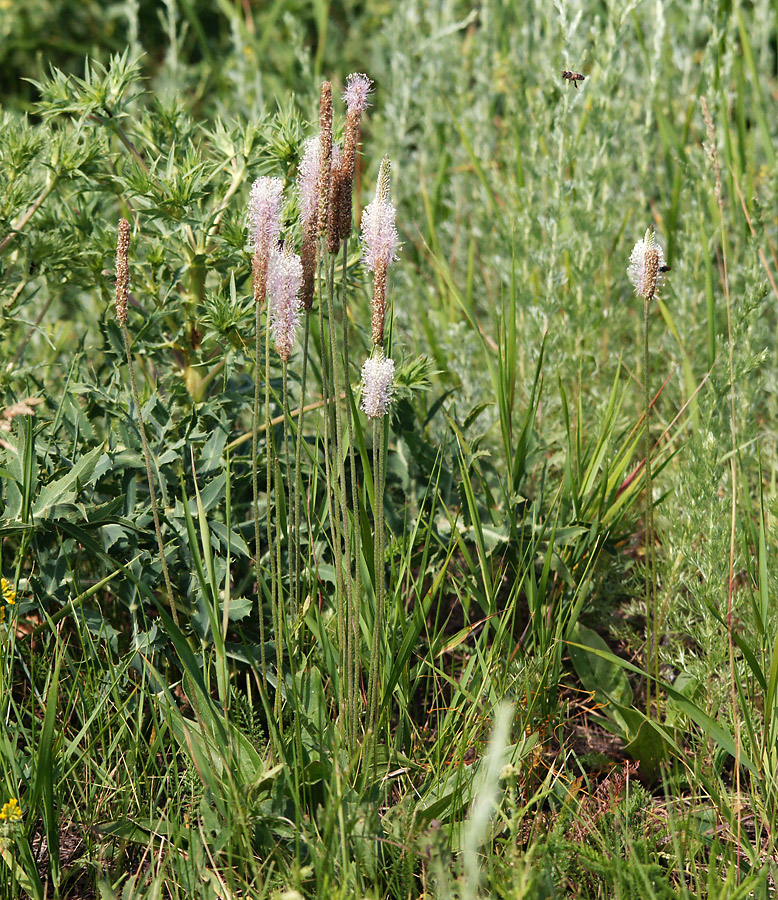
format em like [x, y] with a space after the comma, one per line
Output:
[122, 271]
[652, 272]
[335, 205]
[308, 260]
[259, 275]
[325, 135]
[379, 303]
[348, 167]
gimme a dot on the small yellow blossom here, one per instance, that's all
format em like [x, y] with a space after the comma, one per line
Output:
[11, 811]
[8, 591]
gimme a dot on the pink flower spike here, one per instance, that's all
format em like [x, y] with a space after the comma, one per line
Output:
[377, 386]
[284, 279]
[379, 233]
[308, 180]
[355, 96]
[264, 213]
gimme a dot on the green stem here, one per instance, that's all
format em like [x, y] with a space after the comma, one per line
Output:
[255, 487]
[333, 519]
[297, 466]
[347, 649]
[275, 574]
[372, 696]
[356, 590]
[147, 460]
[651, 621]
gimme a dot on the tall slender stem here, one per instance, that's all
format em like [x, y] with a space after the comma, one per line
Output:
[347, 648]
[334, 519]
[297, 565]
[356, 589]
[372, 695]
[653, 663]
[275, 586]
[255, 487]
[147, 460]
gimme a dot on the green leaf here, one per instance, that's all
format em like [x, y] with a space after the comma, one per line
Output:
[66, 489]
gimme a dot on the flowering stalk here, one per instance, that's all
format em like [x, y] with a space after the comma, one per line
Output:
[308, 192]
[379, 249]
[356, 96]
[122, 297]
[377, 394]
[646, 271]
[325, 139]
[333, 210]
[330, 392]
[330, 398]
[263, 216]
[285, 276]
[380, 244]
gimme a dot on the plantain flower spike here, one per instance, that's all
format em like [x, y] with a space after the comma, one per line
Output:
[356, 94]
[646, 266]
[264, 217]
[325, 140]
[308, 176]
[380, 243]
[122, 271]
[377, 385]
[336, 200]
[284, 279]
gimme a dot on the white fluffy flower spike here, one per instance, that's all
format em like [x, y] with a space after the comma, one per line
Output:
[264, 213]
[646, 266]
[377, 385]
[379, 233]
[357, 92]
[284, 278]
[308, 180]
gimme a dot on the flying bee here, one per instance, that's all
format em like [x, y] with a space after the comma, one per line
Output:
[573, 77]
[664, 268]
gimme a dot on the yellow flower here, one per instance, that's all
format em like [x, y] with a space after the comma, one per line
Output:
[11, 812]
[8, 591]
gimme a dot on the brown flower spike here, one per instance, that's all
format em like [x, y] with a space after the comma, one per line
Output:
[122, 271]
[325, 136]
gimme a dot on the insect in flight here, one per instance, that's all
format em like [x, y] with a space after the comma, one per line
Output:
[573, 77]
[664, 268]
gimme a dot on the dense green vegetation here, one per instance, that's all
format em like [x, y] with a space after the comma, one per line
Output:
[441, 652]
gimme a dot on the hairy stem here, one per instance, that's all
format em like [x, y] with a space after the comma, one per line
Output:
[152, 493]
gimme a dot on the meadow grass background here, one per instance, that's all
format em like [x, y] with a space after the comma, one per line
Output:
[143, 759]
